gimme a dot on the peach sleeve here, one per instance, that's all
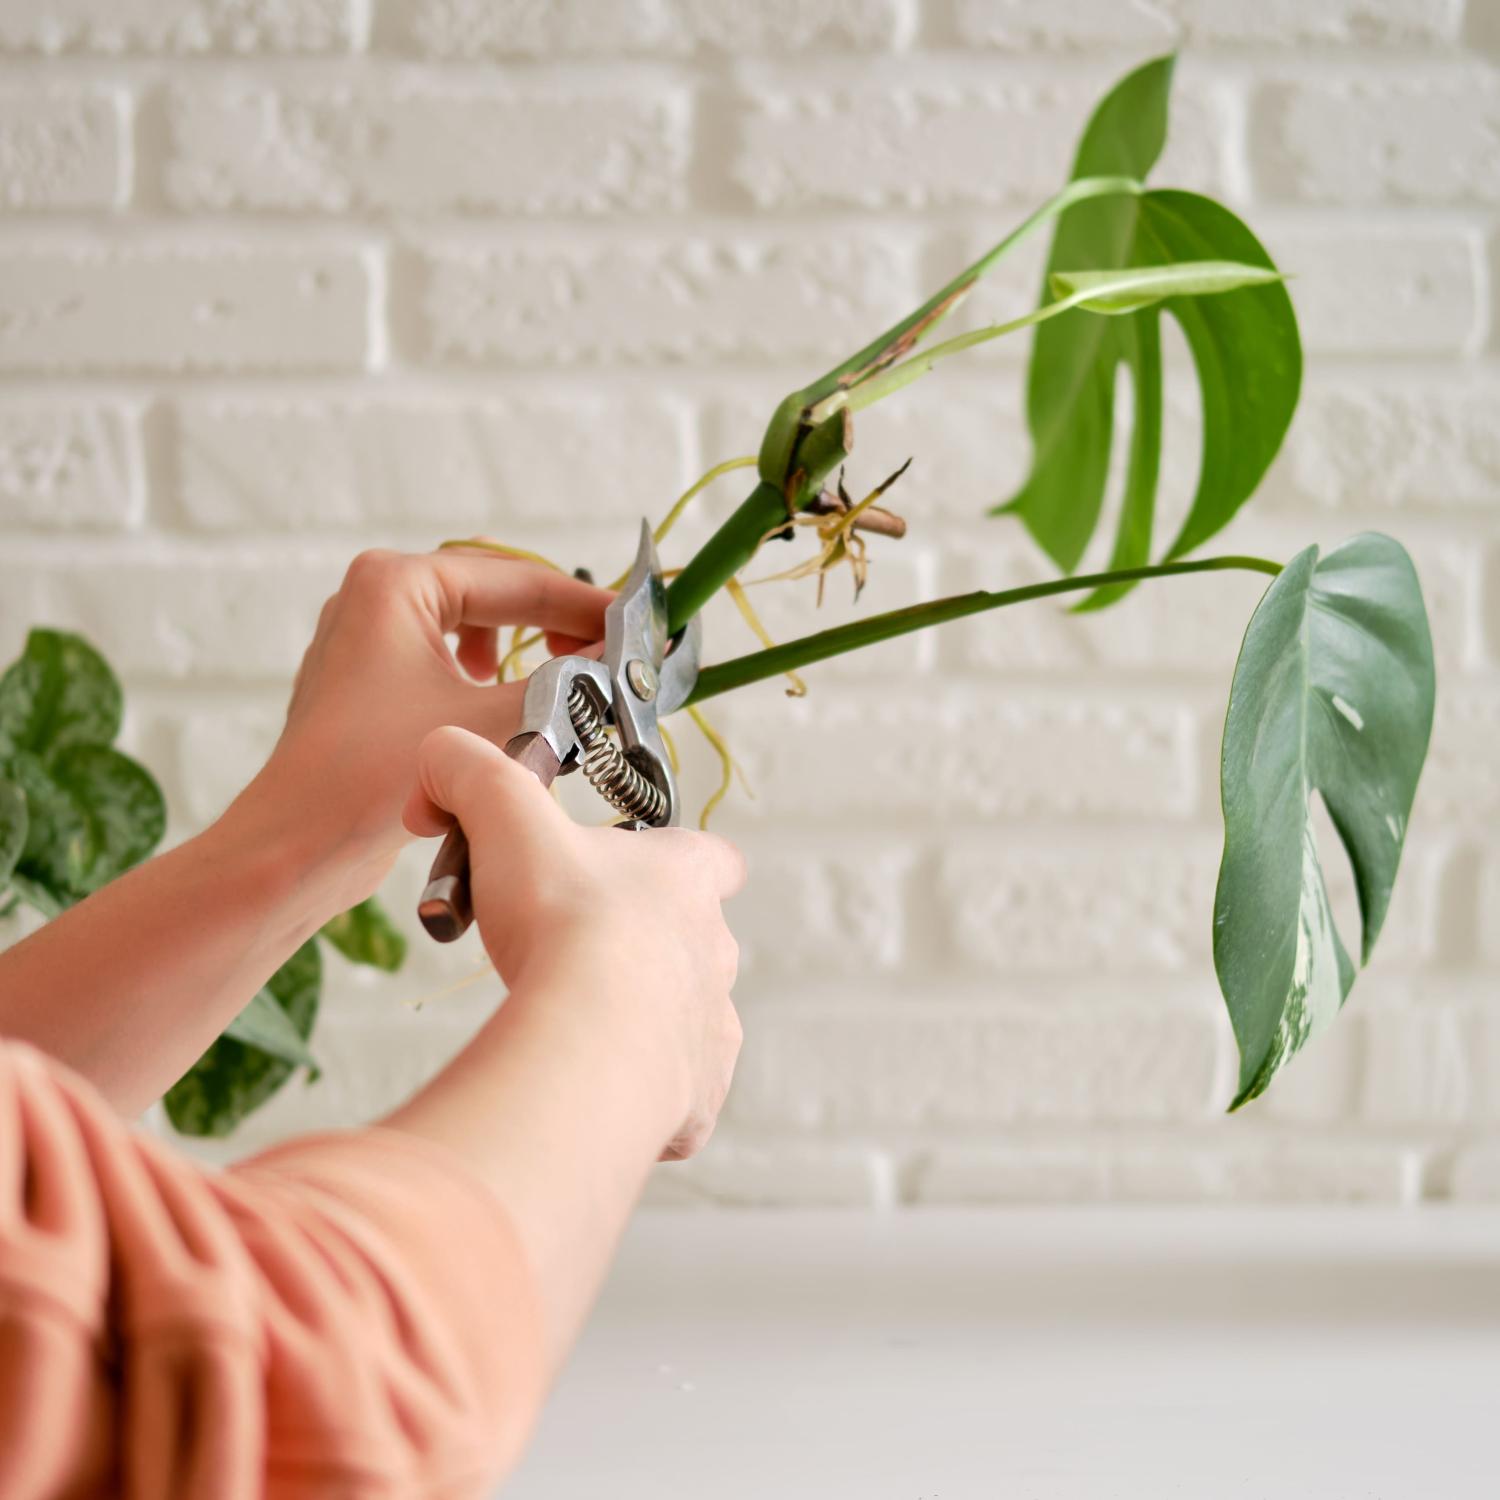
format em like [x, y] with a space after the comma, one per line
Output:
[348, 1315]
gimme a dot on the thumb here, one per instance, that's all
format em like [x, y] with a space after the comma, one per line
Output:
[462, 775]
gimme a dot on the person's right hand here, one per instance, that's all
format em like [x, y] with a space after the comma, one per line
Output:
[631, 924]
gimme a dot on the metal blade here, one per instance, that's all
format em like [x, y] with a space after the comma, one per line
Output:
[635, 624]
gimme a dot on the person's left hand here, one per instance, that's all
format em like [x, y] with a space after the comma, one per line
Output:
[379, 675]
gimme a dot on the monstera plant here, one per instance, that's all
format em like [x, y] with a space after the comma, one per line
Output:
[1332, 693]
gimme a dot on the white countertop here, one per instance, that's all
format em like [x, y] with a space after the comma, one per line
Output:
[1036, 1355]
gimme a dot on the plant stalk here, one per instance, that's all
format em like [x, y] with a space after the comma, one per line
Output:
[794, 460]
[740, 671]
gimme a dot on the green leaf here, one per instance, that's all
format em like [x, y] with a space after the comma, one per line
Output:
[1127, 291]
[366, 935]
[263, 1024]
[59, 692]
[1244, 346]
[93, 814]
[1333, 693]
[60, 846]
[50, 903]
[231, 1079]
[12, 828]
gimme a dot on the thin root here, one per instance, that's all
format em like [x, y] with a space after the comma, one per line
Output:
[736, 591]
[729, 769]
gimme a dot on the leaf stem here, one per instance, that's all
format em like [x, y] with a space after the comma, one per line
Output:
[740, 671]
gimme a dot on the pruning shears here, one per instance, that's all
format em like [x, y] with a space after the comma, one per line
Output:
[570, 702]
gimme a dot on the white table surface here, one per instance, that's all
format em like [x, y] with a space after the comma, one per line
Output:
[1036, 1355]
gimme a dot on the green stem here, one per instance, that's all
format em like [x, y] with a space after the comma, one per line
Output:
[783, 451]
[724, 676]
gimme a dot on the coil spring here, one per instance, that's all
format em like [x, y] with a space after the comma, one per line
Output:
[605, 767]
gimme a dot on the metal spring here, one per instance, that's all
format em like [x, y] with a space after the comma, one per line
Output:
[605, 767]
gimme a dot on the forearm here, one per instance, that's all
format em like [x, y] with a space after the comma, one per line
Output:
[129, 987]
[562, 1115]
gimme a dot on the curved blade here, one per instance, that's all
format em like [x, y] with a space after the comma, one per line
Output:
[679, 672]
[635, 624]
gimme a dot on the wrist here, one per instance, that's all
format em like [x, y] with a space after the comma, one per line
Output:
[615, 1032]
[293, 865]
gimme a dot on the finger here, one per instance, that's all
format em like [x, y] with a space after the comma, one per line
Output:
[566, 645]
[723, 864]
[689, 1141]
[495, 591]
[462, 775]
[478, 651]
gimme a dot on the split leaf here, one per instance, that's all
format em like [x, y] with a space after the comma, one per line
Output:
[366, 935]
[232, 1079]
[1244, 345]
[1333, 693]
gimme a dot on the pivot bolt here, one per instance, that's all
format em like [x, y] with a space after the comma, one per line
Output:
[642, 679]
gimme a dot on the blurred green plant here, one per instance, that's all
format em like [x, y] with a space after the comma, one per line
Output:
[75, 812]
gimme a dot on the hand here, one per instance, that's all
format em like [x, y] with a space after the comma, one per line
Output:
[379, 675]
[630, 925]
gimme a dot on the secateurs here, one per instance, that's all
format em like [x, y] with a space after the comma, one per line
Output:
[570, 703]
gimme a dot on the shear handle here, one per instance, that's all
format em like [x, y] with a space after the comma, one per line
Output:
[447, 906]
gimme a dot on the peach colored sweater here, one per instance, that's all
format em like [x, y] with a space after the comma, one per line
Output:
[346, 1316]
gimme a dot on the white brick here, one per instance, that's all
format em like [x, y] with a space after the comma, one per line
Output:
[1189, 624]
[1384, 444]
[485, 28]
[738, 1174]
[1009, 1174]
[217, 753]
[1264, 1173]
[419, 149]
[1383, 290]
[692, 299]
[60, 148]
[459, 466]
[69, 465]
[1032, 25]
[175, 309]
[1351, 1172]
[938, 1065]
[1082, 907]
[176, 26]
[1423, 139]
[1419, 1068]
[960, 755]
[1461, 780]
[832, 907]
[933, 139]
[164, 612]
[1488, 904]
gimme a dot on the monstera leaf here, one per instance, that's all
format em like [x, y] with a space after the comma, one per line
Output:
[1244, 346]
[1332, 693]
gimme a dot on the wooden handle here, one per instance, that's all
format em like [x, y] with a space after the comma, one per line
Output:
[446, 907]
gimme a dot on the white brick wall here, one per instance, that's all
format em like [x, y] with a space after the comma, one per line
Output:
[282, 278]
